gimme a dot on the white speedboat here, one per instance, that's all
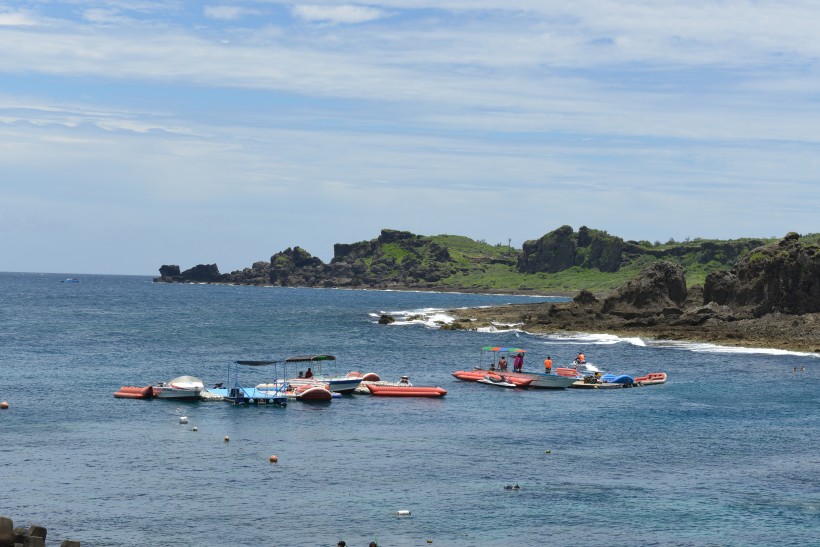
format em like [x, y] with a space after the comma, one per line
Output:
[181, 387]
[337, 384]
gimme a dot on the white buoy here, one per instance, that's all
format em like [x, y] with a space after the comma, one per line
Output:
[183, 419]
[403, 513]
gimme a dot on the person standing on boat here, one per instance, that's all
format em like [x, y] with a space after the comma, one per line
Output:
[309, 373]
[548, 365]
[518, 362]
[502, 363]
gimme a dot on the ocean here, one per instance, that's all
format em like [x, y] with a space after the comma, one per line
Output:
[725, 453]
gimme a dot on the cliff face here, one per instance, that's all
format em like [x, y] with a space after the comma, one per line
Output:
[781, 277]
[562, 249]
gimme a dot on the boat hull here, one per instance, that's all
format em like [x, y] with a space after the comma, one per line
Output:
[166, 392]
[182, 387]
[134, 392]
[538, 380]
[406, 391]
[338, 385]
[651, 379]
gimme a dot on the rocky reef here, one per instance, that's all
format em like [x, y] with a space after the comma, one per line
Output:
[770, 298]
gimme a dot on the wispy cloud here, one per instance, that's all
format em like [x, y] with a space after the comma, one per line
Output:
[346, 14]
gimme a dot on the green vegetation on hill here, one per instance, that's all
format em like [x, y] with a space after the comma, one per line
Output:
[481, 266]
[560, 262]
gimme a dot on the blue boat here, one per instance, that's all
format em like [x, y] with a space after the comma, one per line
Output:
[238, 394]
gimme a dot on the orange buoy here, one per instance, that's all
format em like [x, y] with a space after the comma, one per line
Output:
[4, 405]
[273, 459]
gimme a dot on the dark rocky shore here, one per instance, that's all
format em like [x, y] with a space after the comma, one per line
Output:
[33, 536]
[770, 299]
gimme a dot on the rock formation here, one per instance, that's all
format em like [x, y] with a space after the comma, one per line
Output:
[770, 298]
[562, 249]
[782, 277]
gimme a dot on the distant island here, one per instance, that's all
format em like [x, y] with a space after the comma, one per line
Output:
[748, 292]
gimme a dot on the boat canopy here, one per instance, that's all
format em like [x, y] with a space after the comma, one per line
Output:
[498, 348]
[306, 358]
[257, 363]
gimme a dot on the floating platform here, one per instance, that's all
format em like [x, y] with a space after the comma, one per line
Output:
[250, 395]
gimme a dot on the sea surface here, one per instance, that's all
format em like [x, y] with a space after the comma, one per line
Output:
[727, 452]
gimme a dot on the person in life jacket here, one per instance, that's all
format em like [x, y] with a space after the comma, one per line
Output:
[548, 365]
[580, 358]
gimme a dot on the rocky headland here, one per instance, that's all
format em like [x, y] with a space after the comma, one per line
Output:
[769, 299]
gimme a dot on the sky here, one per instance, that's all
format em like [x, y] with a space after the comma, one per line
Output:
[137, 133]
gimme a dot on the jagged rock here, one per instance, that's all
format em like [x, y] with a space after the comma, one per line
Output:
[553, 252]
[659, 287]
[202, 273]
[780, 277]
[562, 249]
[386, 319]
[296, 267]
[169, 271]
[585, 297]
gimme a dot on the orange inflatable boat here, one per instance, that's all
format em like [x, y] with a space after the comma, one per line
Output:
[134, 392]
[406, 391]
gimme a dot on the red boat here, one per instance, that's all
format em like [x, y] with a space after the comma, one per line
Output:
[134, 392]
[478, 374]
[470, 375]
[651, 379]
[406, 391]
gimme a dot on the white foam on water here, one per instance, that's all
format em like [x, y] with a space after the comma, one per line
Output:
[500, 328]
[697, 347]
[429, 317]
[703, 347]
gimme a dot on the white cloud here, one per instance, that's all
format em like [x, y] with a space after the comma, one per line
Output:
[227, 13]
[16, 19]
[650, 117]
[347, 14]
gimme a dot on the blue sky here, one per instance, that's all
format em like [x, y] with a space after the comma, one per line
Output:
[140, 133]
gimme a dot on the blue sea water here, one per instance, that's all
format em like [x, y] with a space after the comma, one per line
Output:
[725, 453]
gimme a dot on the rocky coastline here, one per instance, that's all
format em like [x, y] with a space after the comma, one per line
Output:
[770, 299]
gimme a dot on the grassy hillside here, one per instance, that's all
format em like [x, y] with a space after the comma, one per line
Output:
[484, 267]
